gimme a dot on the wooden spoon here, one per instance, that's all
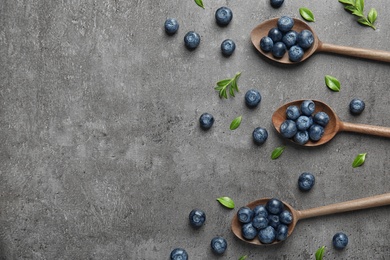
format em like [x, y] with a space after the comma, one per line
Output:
[262, 29]
[334, 126]
[364, 203]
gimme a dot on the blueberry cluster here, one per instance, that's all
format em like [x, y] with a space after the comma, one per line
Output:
[302, 125]
[269, 222]
[283, 38]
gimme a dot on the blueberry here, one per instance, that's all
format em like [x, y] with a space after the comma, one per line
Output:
[340, 240]
[275, 34]
[285, 217]
[223, 16]
[290, 39]
[179, 254]
[279, 50]
[206, 121]
[285, 24]
[308, 107]
[306, 181]
[252, 98]
[321, 118]
[316, 132]
[292, 112]
[288, 128]
[274, 206]
[276, 3]
[260, 210]
[227, 47]
[281, 232]
[266, 44]
[218, 245]
[248, 231]
[245, 215]
[260, 222]
[197, 218]
[267, 235]
[295, 53]
[356, 106]
[260, 135]
[171, 26]
[273, 221]
[191, 40]
[304, 123]
[305, 39]
[301, 137]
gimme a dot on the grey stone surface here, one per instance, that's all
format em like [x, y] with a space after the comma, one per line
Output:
[102, 156]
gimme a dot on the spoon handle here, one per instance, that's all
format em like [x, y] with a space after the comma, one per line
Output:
[355, 52]
[364, 203]
[365, 129]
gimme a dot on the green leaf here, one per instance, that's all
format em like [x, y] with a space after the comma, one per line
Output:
[332, 83]
[358, 13]
[227, 202]
[306, 14]
[235, 123]
[320, 253]
[372, 15]
[243, 257]
[359, 160]
[359, 5]
[224, 82]
[364, 21]
[347, 2]
[277, 152]
[350, 8]
[200, 3]
[228, 85]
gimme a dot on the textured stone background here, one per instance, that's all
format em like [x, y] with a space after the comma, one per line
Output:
[102, 156]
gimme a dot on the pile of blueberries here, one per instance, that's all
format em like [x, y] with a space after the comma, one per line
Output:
[269, 222]
[301, 125]
[283, 38]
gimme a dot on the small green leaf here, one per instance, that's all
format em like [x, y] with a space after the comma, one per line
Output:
[200, 3]
[235, 123]
[306, 14]
[332, 83]
[347, 2]
[358, 13]
[277, 152]
[243, 257]
[359, 160]
[228, 85]
[372, 15]
[364, 21]
[350, 8]
[320, 253]
[227, 202]
[359, 5]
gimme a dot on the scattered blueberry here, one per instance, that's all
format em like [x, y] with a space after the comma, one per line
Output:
[218, 245]
[290, 39]
[245, 215]
[305, 39]
[275, 34]
[285, 24]
[308, 107]
[276, 3]
[301, 137]
[252, 98]
[191, 40]
[340, 240]
[206, 121]
[288, 128]
[281, 232]
[260, 135]
[227, 47]
[171, 26]
[274, 206]
[260, 222]
[197, 218]
[179, 254]
[295, 53]
[279, 50]
[292, 112]
[316, 132]
[306, 181]
[267, 235]
[248, 231]
[260, 210]
[304, 122]
[356, 106]
[285, 217]
[223, 16]
[266, 44]
[321, 118]
[273, 221]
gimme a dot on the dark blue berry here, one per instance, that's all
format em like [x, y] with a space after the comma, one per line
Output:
[321, 118]
[288, 128]
[191, 40]
[316, 132]
[267, 235]
[245, 215]
[274, 206]
[266, 44]
[301, 137]
[260, 210]
[275, 34]
[276, 3]
[285, 217]
[197, 218]
[223, 16]
[252, 98]
[227, 47]
[307, 107]
[306, 181]
[356, 106]
[290, 39]
[260, 135]
[171, 26]
[206, 121]
[260, 222]
[279, 50]
[305, 39]
[295, 53]
[218, 245]
[304, 123]
[292, 112]
[273, 221]
[285, 23]
[281, 232]
[248, 231]
[178, 254]
[340, 240]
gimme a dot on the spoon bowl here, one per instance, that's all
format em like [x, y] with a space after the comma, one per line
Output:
[262, 30]
[357, 204]
[334, 126]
